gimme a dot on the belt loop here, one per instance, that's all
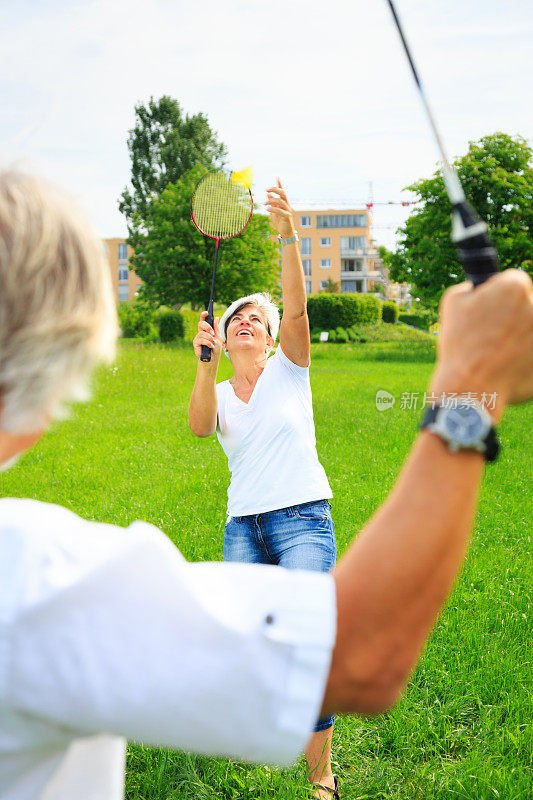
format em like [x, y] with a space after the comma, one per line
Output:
[291, 511]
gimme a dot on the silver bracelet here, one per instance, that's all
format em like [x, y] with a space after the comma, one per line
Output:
[290, 240]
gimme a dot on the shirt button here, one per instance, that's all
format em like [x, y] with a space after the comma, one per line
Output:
[269, 619]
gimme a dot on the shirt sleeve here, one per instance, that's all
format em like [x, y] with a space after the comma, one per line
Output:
[301, 373]
[225, 659]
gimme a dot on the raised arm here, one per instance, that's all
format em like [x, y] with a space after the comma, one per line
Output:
[393, 581]
[203, 406]
[294, 330]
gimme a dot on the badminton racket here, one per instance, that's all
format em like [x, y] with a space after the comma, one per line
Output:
[221, 208]
[469, 233]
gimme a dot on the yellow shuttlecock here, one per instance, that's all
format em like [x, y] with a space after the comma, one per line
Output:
[244, 177]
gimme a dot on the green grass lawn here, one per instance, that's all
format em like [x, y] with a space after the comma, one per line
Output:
[463, 728]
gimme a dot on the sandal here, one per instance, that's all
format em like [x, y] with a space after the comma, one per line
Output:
[334, 792]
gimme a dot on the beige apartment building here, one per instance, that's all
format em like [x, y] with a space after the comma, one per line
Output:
[336, 245]
[125, 281]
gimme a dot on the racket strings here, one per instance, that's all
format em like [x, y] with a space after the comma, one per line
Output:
[221, 209]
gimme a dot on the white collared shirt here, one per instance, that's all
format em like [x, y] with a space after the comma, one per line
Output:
[108, 633]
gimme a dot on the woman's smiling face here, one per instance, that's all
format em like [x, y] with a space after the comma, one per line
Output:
[247, 331]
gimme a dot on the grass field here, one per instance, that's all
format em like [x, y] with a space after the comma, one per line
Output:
[463, 728]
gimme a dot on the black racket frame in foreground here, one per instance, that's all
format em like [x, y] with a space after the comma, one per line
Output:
[236, 225]
[469, 233]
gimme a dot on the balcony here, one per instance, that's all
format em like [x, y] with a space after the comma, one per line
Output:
[346, 253]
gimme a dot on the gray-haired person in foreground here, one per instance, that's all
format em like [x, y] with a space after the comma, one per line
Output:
[108, 633]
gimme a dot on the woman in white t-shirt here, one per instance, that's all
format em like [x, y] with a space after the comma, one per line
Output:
[278, 509]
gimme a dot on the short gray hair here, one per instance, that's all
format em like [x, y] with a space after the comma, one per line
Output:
[263, 301]
[57, 310]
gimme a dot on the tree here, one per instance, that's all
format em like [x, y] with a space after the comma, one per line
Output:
[175, 260]
[164, 145]
[330, 286]
[497, 177]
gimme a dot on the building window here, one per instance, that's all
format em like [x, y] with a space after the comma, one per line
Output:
[325, 263]
[305, 222]
[123, 292]
[353, 244]
[123, 273]
[325, 241]
[347, 286]
[306, 262]
[341, 221]
[308, 287]
[305, 248]
[122, 252]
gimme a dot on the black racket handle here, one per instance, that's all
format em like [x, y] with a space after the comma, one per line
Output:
[206, 351]
[474, 247]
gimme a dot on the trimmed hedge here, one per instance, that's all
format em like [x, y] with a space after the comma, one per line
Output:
[327, 310]
[422, 320]
[389, 312]
[332, 336]
[136, 321]
[341, 335]
[171, 326]
[369, 310]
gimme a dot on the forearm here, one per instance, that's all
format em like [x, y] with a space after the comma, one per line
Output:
[203, 406]
[293, 282]
[394, 580]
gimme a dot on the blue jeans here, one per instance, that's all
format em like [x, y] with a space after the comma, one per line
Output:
[297, 537]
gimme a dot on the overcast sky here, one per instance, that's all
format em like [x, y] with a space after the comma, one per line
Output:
[316, 92]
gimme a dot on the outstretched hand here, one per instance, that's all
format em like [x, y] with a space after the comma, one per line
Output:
[281, 214]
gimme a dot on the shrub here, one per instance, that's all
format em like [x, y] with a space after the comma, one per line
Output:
[136, 320]
[369, 312]
[327, 310]
[332, 336]
[324, 310]
[352, 336]
[315, 337]
[422, 319]
[171, 326]
[341, 335]
[389, 312]
[350, 309]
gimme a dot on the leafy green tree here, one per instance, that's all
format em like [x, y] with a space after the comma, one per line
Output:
[164, 144]
[175, 260]
[497, 177]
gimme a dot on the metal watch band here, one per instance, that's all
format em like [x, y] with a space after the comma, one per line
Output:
[492, 445]
[290, 240]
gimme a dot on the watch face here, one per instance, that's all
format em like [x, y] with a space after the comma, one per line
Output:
[465, 424]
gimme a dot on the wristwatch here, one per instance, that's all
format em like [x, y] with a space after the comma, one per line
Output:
[466, 426]
[290, 240]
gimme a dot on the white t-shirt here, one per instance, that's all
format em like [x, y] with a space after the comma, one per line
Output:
[270, 441]
[108, 633]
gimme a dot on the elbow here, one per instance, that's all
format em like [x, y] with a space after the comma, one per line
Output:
[296, 311]
[199, 430]
[369, 688]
